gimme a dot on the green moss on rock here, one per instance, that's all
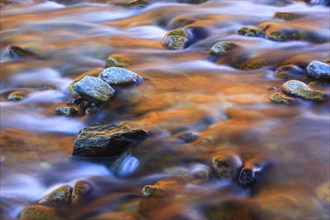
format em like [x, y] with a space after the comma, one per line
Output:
[222, 48]
[58, 197]
[300, 89]
[177, 39]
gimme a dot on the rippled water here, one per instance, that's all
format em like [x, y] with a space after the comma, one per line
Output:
[183, 90]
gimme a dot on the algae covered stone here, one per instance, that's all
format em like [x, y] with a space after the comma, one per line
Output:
[285, 15]
[177, 39]
[222, 48]
[67, 111]
[280, 98]
[116, 76]
[39, 212]
[251, 32]
[94, 89]
[106, 140]
[319, 70]
[58, 197]
[115, 61]
[300, 89]
[226, 166]
[81, 189]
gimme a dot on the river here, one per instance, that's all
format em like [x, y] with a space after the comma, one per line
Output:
[225, 100]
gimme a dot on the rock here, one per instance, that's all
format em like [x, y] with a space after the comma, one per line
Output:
[38, 212]
[222, 48]
[201, 171]
[251, 32]
[188, 136]
[251, 171]
[58, 197]
[67, 111]
[106, 140]
[130, 3]
[280, 98]
[16, 96]
[94, 73]
[300, 89]
[94, 89]
[294, 34]
[160, 188]
[80, 191]
[177, 39]
[285, 15]
[116, 76]
[115, 61]
[318, 70]
[16, 52]
[226, 166]
[151, 190]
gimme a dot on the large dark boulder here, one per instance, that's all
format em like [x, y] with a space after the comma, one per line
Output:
[106, 140]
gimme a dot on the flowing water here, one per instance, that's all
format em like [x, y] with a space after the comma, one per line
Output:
[220, 98]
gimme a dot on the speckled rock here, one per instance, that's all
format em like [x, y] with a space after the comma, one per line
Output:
[319, 70]
[251, 32]
[67, 111]
[39, 212]
[280, 98]
[300, 89]
[116, 76]
[222, 48]
[58, 197]
[226, 166]
[94, 89]
[93, 73]
[81, 189]
[16, 96]
[177, 39]
[106, 140]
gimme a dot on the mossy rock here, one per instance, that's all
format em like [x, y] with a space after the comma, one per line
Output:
[226, 166]
[251, 32]
[116, 61]
[294, 34]
[58, 197]
[287, 16]
[280, 98]
[300, 89]
[39, 212]
[222, 48]
[81, 189]
[177, 39]
[130, 3]
[67, 111]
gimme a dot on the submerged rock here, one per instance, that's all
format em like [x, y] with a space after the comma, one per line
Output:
[106, 140]
[222, 48]
[285, 15]
[80, 191]
[188, 136]
[116, 76]
[130, 3]
[67, 111]
[58, 197]
[226, 166]
[39, 212]
[318, 70]
[94, 89]
[160, 188]
[300, 89]
[251, 32]
[294, 34]
[177, 39]
[16, 52]
[115, 61]
[280, 98]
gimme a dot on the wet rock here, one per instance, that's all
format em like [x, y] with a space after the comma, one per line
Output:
[160, 188]
[106, 140]
[116, 76]
[94, 89]
[177, 39]
[300, 89]
[67, 111]
[151, 190]
[293, 34]
[251, 32]
[58, 197]
[318, 70]
[280, 98]
[318, 2]
[226, 166]
[288, 71]
[188, 136]
[90, 109]
[115, 61]
[192, 1]
[38, 212]
[16, 96]
[222, 48]
[81, 189]
[130, 3]
[16, 52]
[251, 171]
[285, 15]
[201, 171]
